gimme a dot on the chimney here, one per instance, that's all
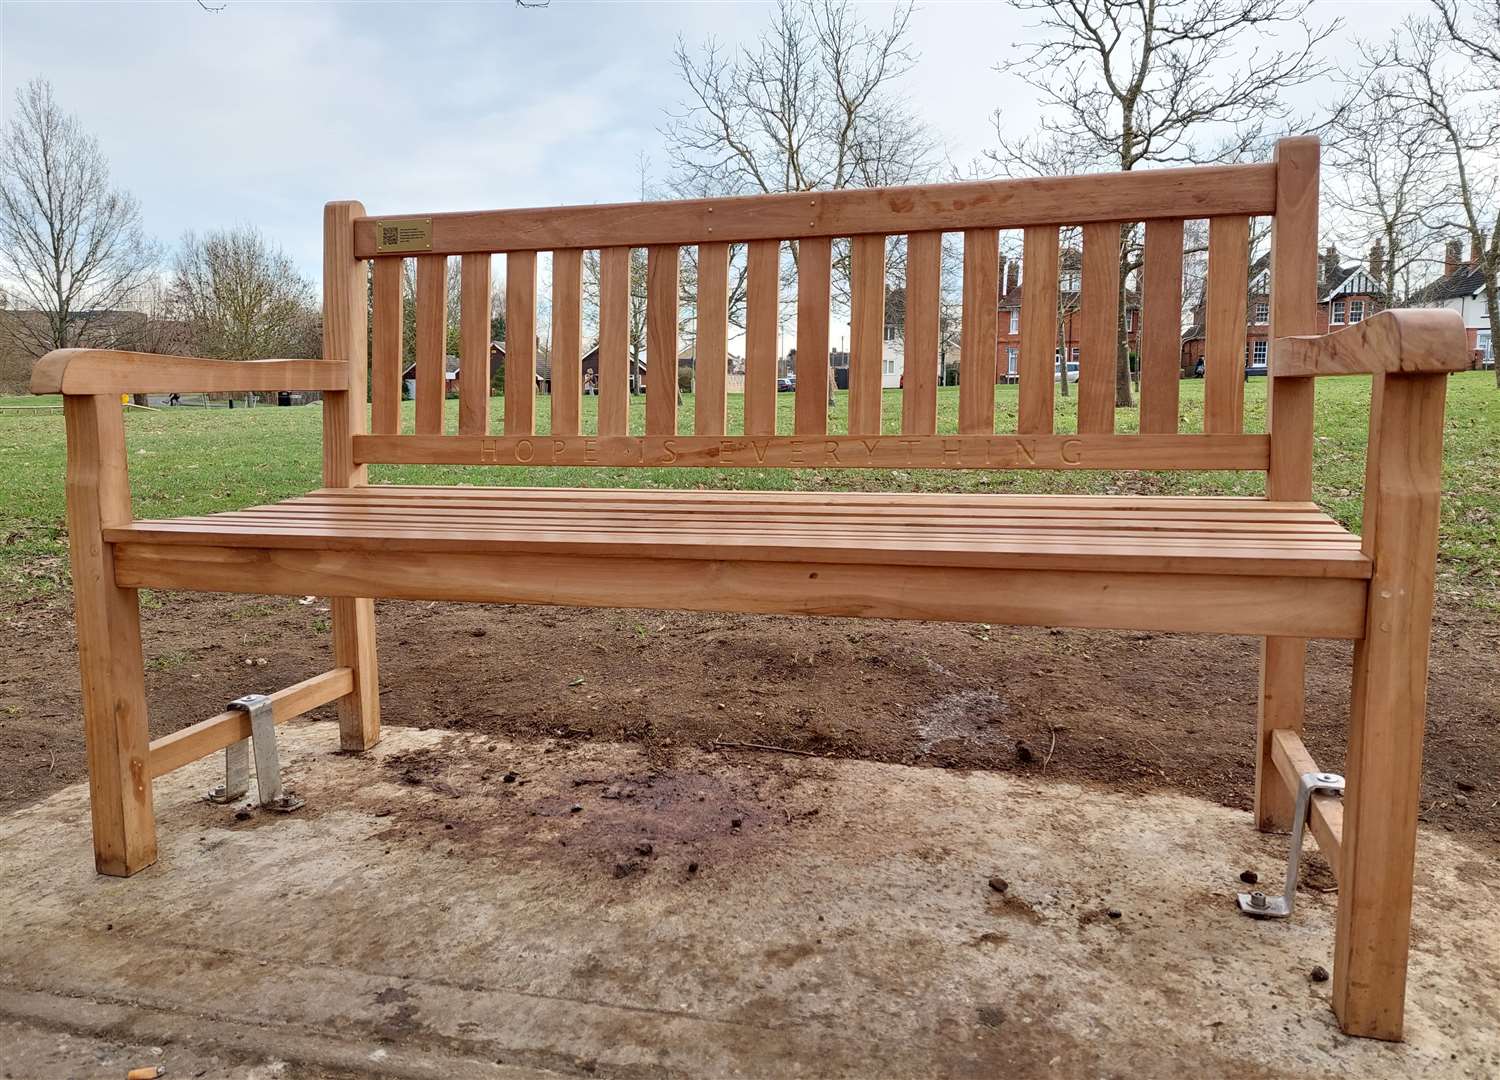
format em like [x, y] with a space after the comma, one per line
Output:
[1451, 256]
[1004, 274]
[1377, 261]
[1012, 275]
[1474, 250]
[1330, 266]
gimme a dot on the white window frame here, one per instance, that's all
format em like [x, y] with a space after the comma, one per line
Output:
[1262, 312]
[1260, 351]
[1336, 316]
[1015, 320]
[890, 364]
[1356, 311]
[1012, 360]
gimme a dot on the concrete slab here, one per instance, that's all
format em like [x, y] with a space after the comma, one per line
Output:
[604, 914]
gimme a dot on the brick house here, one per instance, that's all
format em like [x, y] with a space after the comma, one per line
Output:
[1462, 288]
[1346, 295]
[1012, 292]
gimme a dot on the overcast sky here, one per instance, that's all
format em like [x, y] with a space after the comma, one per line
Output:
[262, 112]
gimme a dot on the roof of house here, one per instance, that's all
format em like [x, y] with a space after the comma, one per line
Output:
[1012, 299]
[1466, 281]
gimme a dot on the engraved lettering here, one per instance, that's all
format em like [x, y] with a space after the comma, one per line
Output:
[590, 451]
[525, 452]
[1027, 449]
[831, 451]
[870, 445]
[559, 448]
[1072, 451]
[952, 448]
[669, 448]
[726, 452]
[760, 449]
[488, 453]
[796, 448]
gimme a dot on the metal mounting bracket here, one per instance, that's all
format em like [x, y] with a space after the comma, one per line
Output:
[1257, 904]
[267, 761]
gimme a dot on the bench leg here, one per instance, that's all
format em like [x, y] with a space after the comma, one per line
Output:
[1389, 707]
[108, 624]
[354, 647]
[1283, 690]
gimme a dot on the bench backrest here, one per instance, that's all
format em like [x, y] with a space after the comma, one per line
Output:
[1227, 196]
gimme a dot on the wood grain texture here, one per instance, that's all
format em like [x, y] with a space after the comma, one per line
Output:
[1325, 813]
[866, 333]
[1289, 420]
[1294, 312]
[1193, 603]
[924, 254]
[113, 371]
[711, 351]
[567, 341]
[432, 342]
[761, 289]
[1204, 191]
[1039, 266]
[814, 300]
[614, 341]
[1171, 452]
[661, 340]
[520, 343]
[473, 344]
[1396, 341]
[1224, 325]
[388, 327]
[979, 342]
[1161, 326]
[1099, 332]
[198, 740]
[110, 662]
[353, 616]
[1388, 707]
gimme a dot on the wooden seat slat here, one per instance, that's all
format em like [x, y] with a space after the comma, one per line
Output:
[1224, 325]
[662, 264]
[614, 341]
[978, 344]
[1099, 336]
[1161, 327]
[711, 348]
[520, 343]
[866, 332]
[762, 284]
[814, 297]
[924, 253]
[1039, 259]
[385, 348]
[567, 341]
[474, 346]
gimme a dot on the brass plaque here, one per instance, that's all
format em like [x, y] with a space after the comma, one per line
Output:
[408, 234]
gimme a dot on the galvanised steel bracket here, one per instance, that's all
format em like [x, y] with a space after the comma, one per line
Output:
[267, 762]
[1257, 904]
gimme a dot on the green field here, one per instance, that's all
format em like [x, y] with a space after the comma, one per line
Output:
[194, 461]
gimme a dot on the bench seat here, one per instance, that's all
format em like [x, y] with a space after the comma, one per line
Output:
[1215, 535]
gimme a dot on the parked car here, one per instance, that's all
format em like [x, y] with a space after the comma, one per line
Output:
[1072, 370]
[786, 384]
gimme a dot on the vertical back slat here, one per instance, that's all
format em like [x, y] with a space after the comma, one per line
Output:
[866, 332]
[1161, 326]
[432, 333]
[1294, 311]
[614, 341]
[1038, 329]
[711, 350]
[474, 345]
[979, 342]
[520, 343]
[385, 348]
[1224, 325]
[763, 282]
[1098, 336]
[924, 252]
[661, 339]
[567, 341]
[814, 265]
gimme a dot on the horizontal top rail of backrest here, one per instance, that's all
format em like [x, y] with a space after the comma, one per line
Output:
[1200, 192]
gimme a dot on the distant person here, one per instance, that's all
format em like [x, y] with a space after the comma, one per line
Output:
[175, 399]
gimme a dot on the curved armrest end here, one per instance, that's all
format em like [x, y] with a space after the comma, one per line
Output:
[1412, 341]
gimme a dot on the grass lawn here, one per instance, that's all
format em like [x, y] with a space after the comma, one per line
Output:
[194, 461]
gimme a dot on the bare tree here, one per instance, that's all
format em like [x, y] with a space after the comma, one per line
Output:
[1448, 74]
[71, 246]
[241, 296]
[1125, 83]
[1385, 163]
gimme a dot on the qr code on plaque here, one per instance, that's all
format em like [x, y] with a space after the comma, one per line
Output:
[389, 236]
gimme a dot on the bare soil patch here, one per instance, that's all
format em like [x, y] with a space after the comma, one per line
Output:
[1136, 711]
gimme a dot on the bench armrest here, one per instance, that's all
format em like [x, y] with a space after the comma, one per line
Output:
[1412, 341]
[108, 371]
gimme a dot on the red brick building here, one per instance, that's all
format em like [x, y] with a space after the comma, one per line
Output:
[1346, 295]
[1012, 291]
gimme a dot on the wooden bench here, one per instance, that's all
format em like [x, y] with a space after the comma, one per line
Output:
[1276, 567]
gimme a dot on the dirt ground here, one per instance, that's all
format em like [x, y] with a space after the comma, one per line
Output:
[1133, 711]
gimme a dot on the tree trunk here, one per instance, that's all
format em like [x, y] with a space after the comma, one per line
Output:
[1123, 397]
